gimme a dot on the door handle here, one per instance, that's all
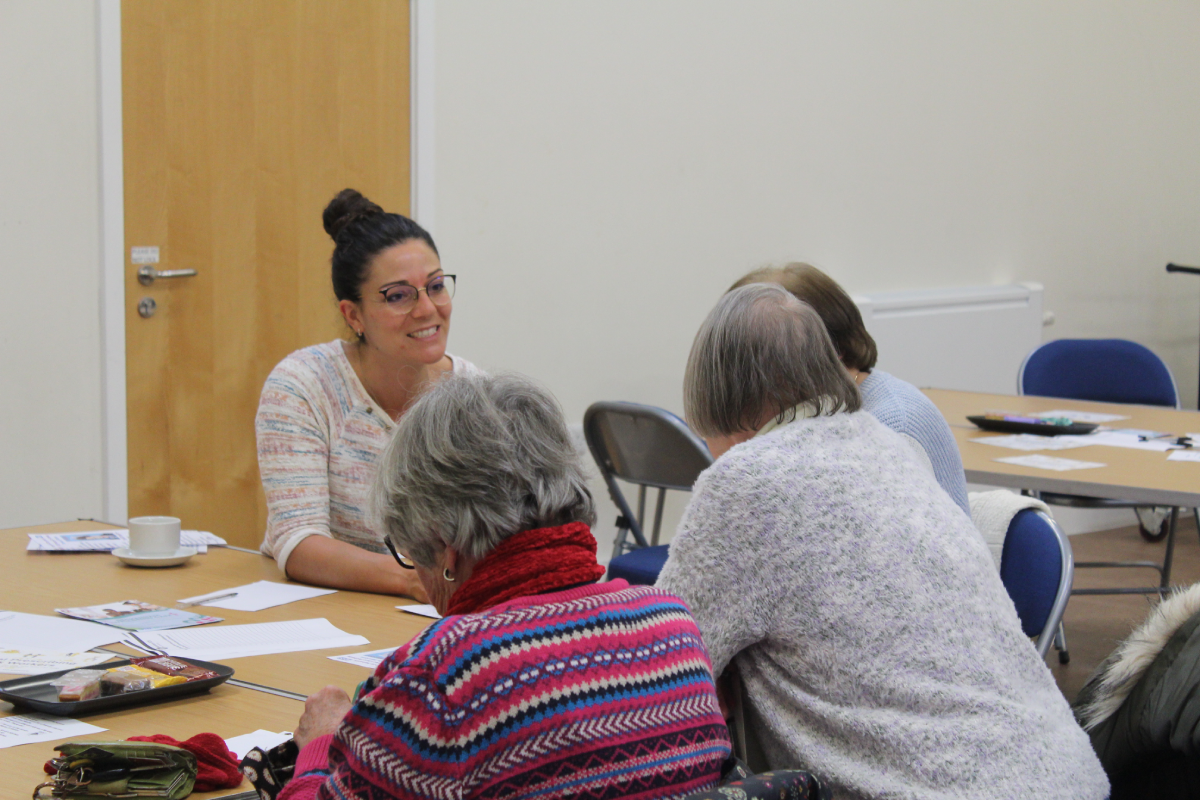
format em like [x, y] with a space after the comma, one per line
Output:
[148, 274]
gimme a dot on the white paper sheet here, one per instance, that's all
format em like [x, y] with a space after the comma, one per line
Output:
[1050, 462]
[36, 727]
[1125, 438]
[1184, 455]
[1031, 441]
[223, 642]
[1080, 416]
[258, 595]
[52, 634]
[421, 611]
[370, 659]
[35, 662]
[110, 539]
[240, 745]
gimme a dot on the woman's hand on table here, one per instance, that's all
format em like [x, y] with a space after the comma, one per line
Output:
[323, 713]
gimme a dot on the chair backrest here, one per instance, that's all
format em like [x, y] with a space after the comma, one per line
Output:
[1037, 568]
[1105, 370]
[644, 445]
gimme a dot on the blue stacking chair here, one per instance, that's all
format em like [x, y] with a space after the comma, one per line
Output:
[1037, 568]
[1110, 371]
[650, 448]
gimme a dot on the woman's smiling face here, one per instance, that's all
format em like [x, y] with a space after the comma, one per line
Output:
[417, 337]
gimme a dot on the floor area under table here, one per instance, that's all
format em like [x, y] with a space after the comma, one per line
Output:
[1097, 623]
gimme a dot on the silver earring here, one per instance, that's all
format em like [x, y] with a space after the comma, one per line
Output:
[446, 574]
[362, 336]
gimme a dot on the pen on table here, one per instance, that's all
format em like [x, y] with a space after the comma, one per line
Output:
[204, 600]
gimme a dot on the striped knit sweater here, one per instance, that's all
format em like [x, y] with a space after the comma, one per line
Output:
[319, 436]
[602, 691]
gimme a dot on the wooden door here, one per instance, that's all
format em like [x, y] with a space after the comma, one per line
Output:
[241, 120]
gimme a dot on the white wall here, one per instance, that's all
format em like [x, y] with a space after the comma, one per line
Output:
[605, 168]
[50, 389]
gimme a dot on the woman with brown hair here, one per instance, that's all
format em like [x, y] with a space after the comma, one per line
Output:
[897, 404]
[327, 411]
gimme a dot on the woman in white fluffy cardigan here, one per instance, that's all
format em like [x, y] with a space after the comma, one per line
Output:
[859, 607]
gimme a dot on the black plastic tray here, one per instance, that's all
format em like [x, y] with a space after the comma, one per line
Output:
[1008, 426]
[35, 692]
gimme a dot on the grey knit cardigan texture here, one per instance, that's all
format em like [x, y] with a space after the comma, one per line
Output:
[875, 642]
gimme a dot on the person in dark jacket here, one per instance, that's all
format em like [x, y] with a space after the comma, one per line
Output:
[1141, 707]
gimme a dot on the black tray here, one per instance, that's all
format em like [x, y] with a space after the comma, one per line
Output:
[1008, 426]
[35, 692]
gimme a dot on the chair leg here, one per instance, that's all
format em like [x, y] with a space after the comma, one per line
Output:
[1165, 583]
[1060, 644]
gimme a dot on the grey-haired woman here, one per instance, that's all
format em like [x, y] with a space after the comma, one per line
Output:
[861, 610]
[539, 682]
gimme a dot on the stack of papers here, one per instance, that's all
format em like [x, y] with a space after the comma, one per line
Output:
[52, 634]
[238, 641]
[256, 596]
[108, 540]
[1184, 455]
[134, 615]
[33, 662]
[31, 728]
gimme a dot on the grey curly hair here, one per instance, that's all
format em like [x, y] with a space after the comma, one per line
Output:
[476, 459]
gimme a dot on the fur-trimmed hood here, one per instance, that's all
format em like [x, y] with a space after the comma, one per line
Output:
[1113, 681]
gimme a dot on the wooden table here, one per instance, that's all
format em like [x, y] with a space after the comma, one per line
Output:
[1139, 475]
[266, 690]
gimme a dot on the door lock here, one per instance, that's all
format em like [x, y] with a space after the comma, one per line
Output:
[147, 307]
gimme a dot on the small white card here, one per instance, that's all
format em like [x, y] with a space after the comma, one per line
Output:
[240, 745]
[256, 596]
[370, 660]
[1080, 416]
[421, 611]
[37, 727]
[1184, 455]
[1050, 462]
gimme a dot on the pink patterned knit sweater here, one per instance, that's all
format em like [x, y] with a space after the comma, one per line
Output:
[602, 691]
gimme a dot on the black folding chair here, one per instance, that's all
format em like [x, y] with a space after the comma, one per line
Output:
[650, 448]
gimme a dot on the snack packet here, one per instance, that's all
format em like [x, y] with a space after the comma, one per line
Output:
[174, 667]
[77, 685]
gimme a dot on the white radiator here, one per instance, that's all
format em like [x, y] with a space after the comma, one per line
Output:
[973, 339]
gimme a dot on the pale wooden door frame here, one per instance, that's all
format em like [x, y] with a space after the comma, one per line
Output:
[114, 451]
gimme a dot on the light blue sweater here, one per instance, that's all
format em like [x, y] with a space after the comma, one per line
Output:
[900, 406]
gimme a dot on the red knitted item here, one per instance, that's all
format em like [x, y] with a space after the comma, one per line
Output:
[528, 563]
[218, 768]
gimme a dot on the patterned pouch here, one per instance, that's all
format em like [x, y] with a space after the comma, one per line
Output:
[738, 783]
[269, 770]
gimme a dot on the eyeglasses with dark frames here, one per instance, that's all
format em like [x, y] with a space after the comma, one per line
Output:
[402, 298]
[404, 561]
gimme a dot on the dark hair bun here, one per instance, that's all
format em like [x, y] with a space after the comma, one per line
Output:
[346, 207]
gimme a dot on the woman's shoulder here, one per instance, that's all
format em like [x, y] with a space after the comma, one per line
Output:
[312, 363]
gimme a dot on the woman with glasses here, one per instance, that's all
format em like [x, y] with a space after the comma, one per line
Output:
[858, 605]
[538, 682]
[326, 411]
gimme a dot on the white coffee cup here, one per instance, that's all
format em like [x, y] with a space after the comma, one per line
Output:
[154, 536]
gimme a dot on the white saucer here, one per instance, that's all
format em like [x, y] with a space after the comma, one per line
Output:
[170, 560]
